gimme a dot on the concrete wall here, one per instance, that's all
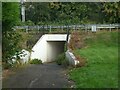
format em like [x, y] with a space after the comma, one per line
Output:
[39, 49]
[72, 59]
[48, 46]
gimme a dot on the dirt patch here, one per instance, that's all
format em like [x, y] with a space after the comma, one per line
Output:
[6, 73]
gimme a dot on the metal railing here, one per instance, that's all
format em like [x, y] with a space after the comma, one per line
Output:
[72, 27]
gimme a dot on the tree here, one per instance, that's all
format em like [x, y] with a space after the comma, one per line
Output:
[112, 12]
[73, 12]
[37, 12]
[10, 15]
[10, 42]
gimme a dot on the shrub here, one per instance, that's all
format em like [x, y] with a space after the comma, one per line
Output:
[35, 61]
[65, 62]
[61, 60]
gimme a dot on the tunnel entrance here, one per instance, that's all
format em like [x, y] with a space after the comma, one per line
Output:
[54, 48]
[48, 47]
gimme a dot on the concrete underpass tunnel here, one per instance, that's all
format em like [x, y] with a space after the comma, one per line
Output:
[48, 47]
[54, 48]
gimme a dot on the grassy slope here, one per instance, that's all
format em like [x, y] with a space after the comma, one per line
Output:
[101, 70]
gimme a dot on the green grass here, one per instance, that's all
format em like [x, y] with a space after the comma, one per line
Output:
[101, 55]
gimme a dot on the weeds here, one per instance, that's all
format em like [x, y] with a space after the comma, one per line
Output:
[61, 60]
[76, 41]
[35, 61]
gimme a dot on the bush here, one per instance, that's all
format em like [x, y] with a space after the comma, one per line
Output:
[61, 60]
[35, 61]
[65, 62]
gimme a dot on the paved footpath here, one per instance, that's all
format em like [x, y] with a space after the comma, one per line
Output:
[39, 76]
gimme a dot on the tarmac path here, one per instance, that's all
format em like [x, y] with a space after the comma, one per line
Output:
[48, 75]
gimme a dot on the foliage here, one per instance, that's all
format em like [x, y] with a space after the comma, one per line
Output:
[35, 61]
[29, 23]
[61, 60]
[65, 62]
[112, 12]
[10, 15]
[25, 37]
[10, 44]
[11, 39]
[40, 11]
[101, 69]
[73, 12]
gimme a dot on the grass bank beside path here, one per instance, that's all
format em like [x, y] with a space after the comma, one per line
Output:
[101, 55]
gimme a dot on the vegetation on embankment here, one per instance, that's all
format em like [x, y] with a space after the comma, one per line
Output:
[100, 52]
[62, 60]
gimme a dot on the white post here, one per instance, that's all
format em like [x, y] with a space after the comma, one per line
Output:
[93, 28]
[26, 30]
[110, 27]
[23, 10]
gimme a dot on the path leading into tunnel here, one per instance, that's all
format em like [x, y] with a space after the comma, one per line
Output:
[39, 76]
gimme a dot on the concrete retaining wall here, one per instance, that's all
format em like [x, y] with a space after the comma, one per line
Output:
[72, 59]
[39, 49]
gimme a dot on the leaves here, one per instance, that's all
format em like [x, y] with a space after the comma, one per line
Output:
[10, 42]
[112, 12]
[73, 12]
[10, 15]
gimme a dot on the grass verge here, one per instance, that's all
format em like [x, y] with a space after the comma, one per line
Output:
[101, 55]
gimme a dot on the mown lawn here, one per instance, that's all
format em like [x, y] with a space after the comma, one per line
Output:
[101, 55]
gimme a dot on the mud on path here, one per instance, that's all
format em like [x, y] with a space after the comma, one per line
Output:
[39, 76]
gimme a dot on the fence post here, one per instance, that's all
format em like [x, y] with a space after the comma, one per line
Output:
[43, 29]
[94, 28]
[110, 28]
[62, 28]
[38, 28]
[117, 28]
[27, 29]
[86, 28]
[50, 29]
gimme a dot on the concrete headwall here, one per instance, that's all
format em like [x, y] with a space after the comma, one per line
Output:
[39, 49]
[48, 46]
